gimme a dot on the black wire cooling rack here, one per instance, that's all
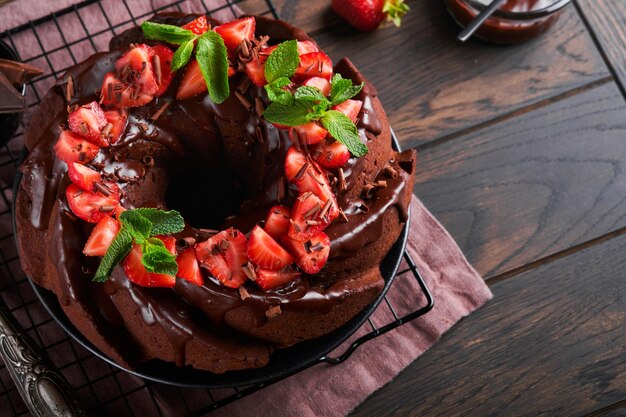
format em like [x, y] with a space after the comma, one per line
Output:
[102, 388]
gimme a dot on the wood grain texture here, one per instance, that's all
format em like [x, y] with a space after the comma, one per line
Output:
[550, 343]
[311, 16]
[607, 19]
[433, 86]
[534, 185]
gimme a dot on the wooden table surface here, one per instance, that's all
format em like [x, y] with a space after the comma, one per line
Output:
[523, 159]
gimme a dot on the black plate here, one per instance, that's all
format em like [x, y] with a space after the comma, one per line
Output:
[283, 362]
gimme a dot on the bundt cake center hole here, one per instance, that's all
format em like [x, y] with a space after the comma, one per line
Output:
[205, 197]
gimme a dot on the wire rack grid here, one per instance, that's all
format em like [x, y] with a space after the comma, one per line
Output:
[102, 388]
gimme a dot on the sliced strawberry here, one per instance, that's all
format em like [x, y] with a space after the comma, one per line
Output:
[72, 148]
[118, 119]
[311, 255]
[231, 71]
[91, 207]
[306, 220]
[265, 252]
[305, 47]
[198, 25]
[314, 64]
[350, 108]
[294, 161]
[137, 274]
[87, 121]
[277, 222]
[224, 255]
[309, 133]
[120, 95]
[135, 67]
[255, 69]
[188, 267]
[119, 210]
[334, 155]
[320, 83]
[236, 31]
[86, 178]
[268, 279]
[192, 83]
[162, 64]
[101, 237]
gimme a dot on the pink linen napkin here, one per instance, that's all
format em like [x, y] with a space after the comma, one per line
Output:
[324, 390]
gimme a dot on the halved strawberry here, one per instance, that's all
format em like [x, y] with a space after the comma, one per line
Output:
[118, 119]
[255, 69]
[350, 108]
[224, 256]
[162, 65]
[91, 207]
[306, 219]
[311, 255]
[305, 47]
[135, 67]
[277, 221]
[101, 237]
[192, 83]
[198, 25]
[236, 31]
[334, 155]
[87, 121]
[265, 252]
[188, 267]
[120, 95]
[86, 178]
[268, 279]
[308, 134]
[314, 64]
[72, 148]
[320, 83]
[294, 161]
[136, 272]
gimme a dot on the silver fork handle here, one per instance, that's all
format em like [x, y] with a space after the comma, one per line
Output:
[41, 385]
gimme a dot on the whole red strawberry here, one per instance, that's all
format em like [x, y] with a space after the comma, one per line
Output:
[367, 15]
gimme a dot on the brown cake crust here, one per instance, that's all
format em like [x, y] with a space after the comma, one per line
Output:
[131, 324]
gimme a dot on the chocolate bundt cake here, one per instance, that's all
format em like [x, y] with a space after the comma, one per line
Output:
[280, 165]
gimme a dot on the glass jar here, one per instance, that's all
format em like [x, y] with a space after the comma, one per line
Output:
[516, 21]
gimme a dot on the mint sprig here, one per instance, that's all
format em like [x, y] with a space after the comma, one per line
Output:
[283, 61]
[309, 104]
[140, 226]
[211, 54]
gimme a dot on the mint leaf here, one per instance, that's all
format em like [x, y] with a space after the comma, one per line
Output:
[167, 33]
[341, 128]
[309, 93]
[163, 222]
[212, 57]
[276, 93]
[283, 61]
[342, 89]
[121, 245]
[138, 226]
[182, 54]
[157, 259]
[294, 114]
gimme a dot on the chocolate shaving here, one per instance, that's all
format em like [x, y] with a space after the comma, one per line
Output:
[320, 182]
[103, 189]
[390, 171]
[342, 180]
[106, 130]
[307, 246]
[107, 209]
[156, 63]
[243, 293]
[312, 222]
[343, 216]
[302, 171]
[223, 245]
[312, 213]
[380, 184]
[297, 228]
[148, 160]
[248, 270]
[320, 66]
[368, 191]
[143, 127]
[69, 89]
[159, 112]
[186, 242]
[273, 312]
[364, 208]
[326, 209]
[260, 108]
[243, 100]
[309, 68]
[259, 134]
[317, 247]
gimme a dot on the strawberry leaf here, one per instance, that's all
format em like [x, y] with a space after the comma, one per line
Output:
[182, 54]
[138, 226]
[283, 61]
[212, 57]
[163, 222]
[294, 114]
[120, 247]
[341, 128]
[309, 93]
[166, 33]
[342, 89]
[157, 259]
[276, 93]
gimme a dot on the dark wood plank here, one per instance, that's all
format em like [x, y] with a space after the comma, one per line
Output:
[551, 343]
[607, 19]
[534, 185]
[311, 16]
[433, 86]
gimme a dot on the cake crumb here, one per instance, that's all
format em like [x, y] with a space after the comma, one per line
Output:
[273, 312]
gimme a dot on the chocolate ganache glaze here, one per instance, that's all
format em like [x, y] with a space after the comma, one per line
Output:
[195, 155]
